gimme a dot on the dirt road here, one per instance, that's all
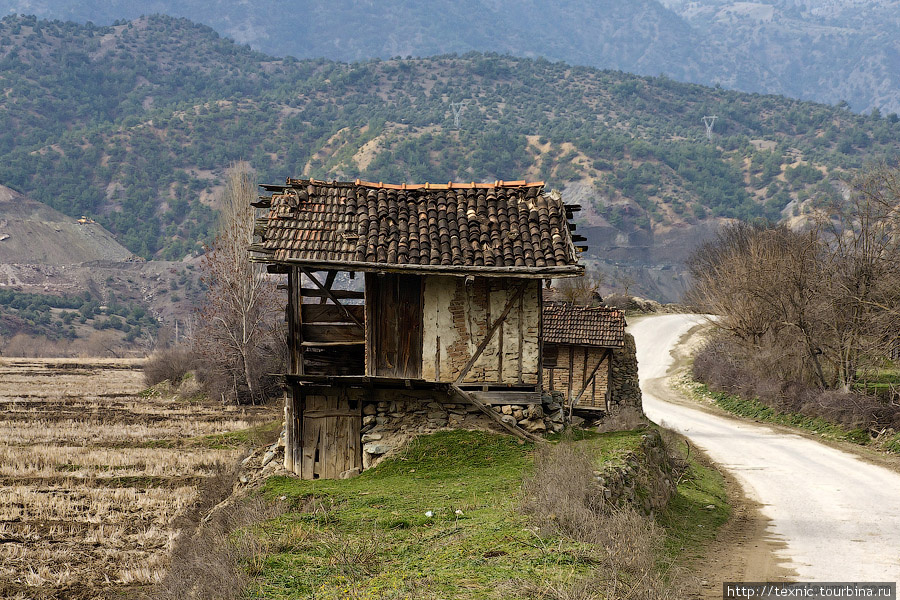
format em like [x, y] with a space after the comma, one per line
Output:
[837, 515]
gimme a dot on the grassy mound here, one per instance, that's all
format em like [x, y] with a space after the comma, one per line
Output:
[444, 519]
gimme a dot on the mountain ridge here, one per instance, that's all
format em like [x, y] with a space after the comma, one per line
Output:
[180, 104]
[828, 52]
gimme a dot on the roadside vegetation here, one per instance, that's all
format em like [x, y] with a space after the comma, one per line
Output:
[808, 320]
[460, 514]
[752, 408]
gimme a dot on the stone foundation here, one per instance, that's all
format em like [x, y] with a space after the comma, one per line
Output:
[391, 418]
[625, 390]
[394, 417]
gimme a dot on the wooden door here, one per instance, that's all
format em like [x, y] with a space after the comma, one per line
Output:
[394, 312]
[331, 440]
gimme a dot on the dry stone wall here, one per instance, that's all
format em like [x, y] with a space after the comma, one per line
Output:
[392, 418]
[646, 479]
[625, 388]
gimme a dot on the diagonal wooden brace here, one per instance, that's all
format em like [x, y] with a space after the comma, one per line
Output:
[490, 334]
[327, 291]
[587, 383]
[512, 428]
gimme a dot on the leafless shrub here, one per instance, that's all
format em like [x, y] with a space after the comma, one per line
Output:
[722, 366]
[170, 364]
[582, 290]
[563, 497]
[626, 419]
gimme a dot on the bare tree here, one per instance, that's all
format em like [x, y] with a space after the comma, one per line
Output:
[764, 282]
[584, 290]
[833, 291]
[862, 244]
[624, 280]
[236, 336]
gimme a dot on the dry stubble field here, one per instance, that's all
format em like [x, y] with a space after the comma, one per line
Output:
[94, 474]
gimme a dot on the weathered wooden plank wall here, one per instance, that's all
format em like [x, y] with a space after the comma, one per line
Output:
[393, 325]
[332, 443]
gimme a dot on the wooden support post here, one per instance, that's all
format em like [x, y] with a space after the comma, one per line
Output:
[295, 322]
[490, 334]
[293, 420]
[512, 428]
[299, 405]
[288, 430]
[522, 341]
[586, 384]
[609, 381]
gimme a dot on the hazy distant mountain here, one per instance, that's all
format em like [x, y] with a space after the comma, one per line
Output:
[134, 124]
[824, 50]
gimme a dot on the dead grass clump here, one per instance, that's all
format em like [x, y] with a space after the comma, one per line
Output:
[563, 495]
[216, 560]
[626, 419]
[564, 498]
[169, 364]
[355, 556]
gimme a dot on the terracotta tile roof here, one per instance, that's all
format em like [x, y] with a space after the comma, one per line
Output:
[565, 323]
[512, 226]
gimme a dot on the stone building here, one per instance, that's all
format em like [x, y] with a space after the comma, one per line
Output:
[447, 322]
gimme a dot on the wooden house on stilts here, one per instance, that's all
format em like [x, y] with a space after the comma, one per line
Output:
[450, 299]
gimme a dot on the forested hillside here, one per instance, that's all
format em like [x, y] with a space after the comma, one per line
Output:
[134, 124]
[810, 49]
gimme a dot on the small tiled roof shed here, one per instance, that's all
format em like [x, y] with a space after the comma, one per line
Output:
[453, 276]
[597, 326]
[578, 344]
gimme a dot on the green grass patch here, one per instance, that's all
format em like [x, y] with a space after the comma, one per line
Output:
[606, 448]
[252, 436]
[882, 383]
[699, 507]
[440, 520]
[893, 444]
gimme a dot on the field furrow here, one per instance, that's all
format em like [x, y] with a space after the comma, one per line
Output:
[95, 474]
